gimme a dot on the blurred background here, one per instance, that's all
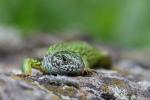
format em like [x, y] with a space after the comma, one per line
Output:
[121, 22]
[28, 27]
[120, 28]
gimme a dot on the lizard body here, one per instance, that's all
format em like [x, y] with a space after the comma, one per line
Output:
[68, 58]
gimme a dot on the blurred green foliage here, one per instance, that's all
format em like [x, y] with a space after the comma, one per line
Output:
[125, 22]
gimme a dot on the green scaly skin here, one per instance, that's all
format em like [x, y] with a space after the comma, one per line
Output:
[73, 58]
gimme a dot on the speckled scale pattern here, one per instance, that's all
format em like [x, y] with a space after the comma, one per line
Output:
[63, 62]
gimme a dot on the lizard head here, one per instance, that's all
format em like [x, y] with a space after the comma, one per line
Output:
[63, 62]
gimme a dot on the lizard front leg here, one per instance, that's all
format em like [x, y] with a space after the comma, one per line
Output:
[30, 63]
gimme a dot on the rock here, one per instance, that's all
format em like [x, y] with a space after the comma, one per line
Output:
[145, 88]
[10, 39]
[133, 70]
[135, 64]
[19, 90]
[103, 85]
[58, 80]
[141, 57]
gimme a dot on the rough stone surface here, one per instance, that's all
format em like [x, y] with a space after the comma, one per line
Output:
[11, 89]
[102, 85]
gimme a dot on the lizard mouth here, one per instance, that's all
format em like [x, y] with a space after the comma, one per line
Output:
[65, 62]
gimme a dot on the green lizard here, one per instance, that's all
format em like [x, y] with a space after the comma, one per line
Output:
[72, 58]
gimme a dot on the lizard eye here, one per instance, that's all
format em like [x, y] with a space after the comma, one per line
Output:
[64, 58]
